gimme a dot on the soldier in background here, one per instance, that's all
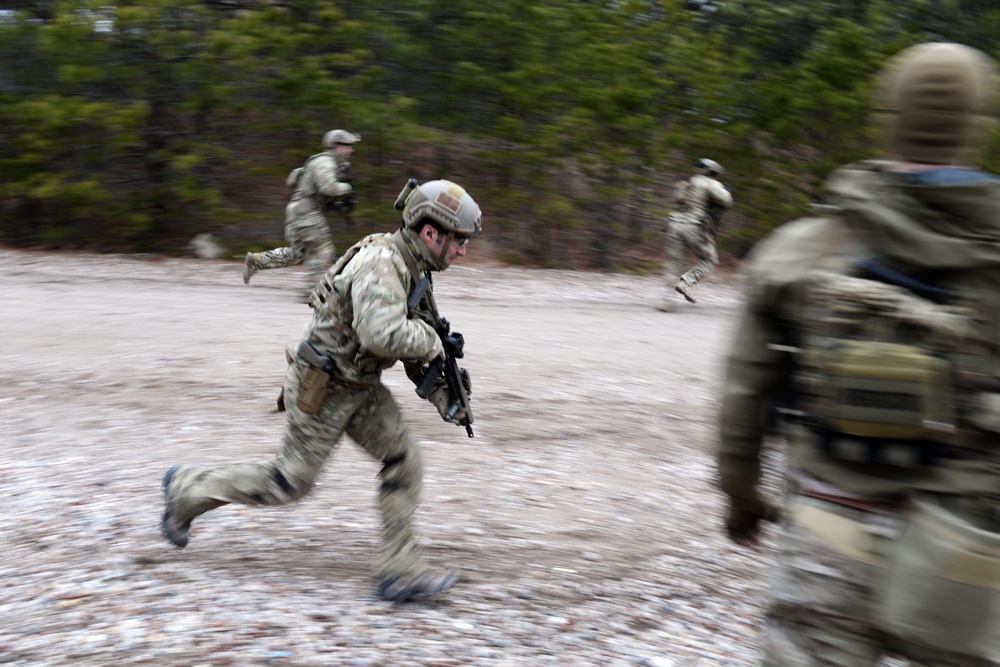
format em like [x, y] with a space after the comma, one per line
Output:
[891, 535]
[323, 183]
[361, 324]
[699, 202]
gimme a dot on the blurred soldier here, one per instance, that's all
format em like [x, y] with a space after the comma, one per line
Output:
[699, 202]
[361, 325]
[876, 324]
[323, 183]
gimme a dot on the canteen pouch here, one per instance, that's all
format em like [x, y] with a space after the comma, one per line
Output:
[312, 390]
[942, 586]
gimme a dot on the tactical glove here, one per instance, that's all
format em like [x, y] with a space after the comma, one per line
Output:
[744, 517]
[415, 371]
[440, 397]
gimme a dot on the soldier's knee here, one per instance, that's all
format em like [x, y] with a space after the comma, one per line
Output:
[293, 487]
[401, 471]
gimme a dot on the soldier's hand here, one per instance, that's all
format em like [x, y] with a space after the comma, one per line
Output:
[415, 371]
[744, 517]
[441, 399]
[437, 350]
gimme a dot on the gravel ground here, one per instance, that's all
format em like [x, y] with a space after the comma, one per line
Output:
[582, 514]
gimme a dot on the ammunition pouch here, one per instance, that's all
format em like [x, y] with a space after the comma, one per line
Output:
[879, 403]
[942, 585]
[315, 378]
[312, 390]
[940, 568]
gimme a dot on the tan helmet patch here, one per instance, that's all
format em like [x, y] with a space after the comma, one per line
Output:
[448, 199]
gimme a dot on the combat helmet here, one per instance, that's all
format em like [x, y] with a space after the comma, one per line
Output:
[334, 137]
[447, 205]
[710, 167]
[444, 202]
[939, 97]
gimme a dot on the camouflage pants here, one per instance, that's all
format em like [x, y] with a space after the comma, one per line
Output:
[371, 417]
[682, 236]
[309, 243]
[822, 610]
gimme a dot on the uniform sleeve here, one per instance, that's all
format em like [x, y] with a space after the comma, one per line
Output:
[753, 374]
[720, 194]
[756, 373]
[378, 292]
[326, 176]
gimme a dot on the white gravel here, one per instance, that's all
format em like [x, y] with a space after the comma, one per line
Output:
[582, 515]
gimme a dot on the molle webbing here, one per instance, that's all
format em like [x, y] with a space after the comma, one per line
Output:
[892, 365]
[324, 289]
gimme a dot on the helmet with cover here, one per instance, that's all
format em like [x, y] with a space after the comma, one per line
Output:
[938, 96]
[447, 204]
[710, 167]
[335, 137]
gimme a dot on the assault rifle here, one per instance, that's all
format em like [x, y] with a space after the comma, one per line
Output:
[447, 368]
[345, 205]
[713, 218]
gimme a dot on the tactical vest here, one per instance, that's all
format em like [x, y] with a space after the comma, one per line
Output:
[340, 314]
[320, 300]
[895, 368]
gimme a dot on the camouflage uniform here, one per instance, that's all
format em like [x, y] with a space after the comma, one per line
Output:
[690, 228]
[321, 182]
[845, 519]
[361, 320]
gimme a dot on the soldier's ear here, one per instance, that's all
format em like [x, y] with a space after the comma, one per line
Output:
[426, 233]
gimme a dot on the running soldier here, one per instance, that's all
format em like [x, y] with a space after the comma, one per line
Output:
[362, 324]
[875, 327]
[323, 183]
[692, 225]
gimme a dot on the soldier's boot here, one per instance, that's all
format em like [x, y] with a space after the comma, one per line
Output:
[175, 531]
[425, 584]
[684, 286]
[249, 267]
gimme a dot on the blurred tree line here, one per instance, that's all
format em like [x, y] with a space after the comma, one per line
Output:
[134, 125]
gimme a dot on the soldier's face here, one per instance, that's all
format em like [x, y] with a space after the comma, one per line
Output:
[343, 149]
[435, 240]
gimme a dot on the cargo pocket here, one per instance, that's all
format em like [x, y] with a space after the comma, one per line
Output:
[942, 586]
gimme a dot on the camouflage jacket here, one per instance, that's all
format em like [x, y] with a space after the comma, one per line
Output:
[316, 185]
[694, 196]
[360, 314]
[944, 223]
